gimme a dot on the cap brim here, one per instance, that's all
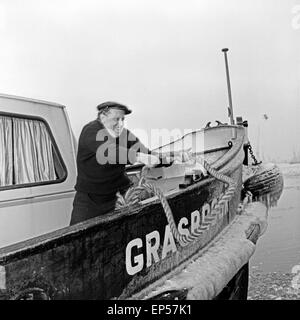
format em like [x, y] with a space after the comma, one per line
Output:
[126, 110]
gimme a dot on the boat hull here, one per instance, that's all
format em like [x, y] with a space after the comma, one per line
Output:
[91, 260]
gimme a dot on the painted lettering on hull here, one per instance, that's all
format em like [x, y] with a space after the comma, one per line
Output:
[158, 247]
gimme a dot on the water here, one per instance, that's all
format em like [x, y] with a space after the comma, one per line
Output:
[278, 250]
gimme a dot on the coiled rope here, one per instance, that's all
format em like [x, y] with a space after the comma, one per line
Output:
[132, 198]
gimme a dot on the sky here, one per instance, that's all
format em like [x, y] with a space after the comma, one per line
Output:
[163, 59]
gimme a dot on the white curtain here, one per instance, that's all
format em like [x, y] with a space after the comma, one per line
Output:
[6, 159]
[33, 158]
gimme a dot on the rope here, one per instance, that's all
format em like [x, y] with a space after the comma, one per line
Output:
[131, 198]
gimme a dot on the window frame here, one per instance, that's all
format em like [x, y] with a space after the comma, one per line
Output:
[54, 144]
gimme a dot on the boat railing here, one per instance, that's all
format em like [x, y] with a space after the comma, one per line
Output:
[139, 166]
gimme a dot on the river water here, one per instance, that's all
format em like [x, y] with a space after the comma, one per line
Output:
[275, 265]
[279, 248]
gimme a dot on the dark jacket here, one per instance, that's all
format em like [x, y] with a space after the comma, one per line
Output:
[101, 159]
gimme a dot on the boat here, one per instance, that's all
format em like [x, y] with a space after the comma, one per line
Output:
[136, 251]
[185, 230]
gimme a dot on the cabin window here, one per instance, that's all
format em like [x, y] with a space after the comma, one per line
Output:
[28, 153]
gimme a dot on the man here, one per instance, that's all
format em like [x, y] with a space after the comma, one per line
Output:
[104, 149]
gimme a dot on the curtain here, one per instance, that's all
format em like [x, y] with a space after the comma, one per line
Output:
[6, 157]
[33, 158]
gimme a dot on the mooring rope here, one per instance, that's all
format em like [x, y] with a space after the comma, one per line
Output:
[132, 197]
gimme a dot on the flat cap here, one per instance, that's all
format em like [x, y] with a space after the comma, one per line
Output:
[110, 104]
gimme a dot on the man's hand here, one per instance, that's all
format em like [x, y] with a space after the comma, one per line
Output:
[149, 160]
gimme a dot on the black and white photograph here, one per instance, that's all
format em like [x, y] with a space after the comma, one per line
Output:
[149, 151]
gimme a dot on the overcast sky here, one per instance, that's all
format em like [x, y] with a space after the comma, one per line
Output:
[161, 58]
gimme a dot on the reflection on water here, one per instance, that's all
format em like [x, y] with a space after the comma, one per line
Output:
[279, 248]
